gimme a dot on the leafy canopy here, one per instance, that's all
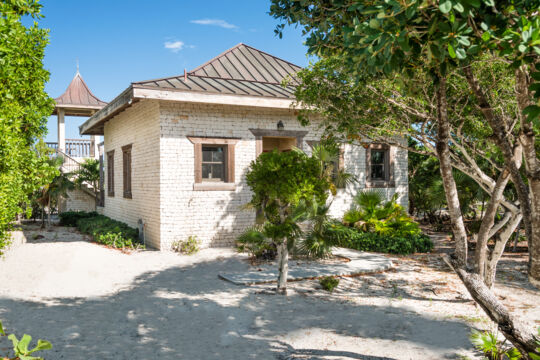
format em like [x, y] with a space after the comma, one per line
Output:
[281, 182]
[24, 107]
[397, 36]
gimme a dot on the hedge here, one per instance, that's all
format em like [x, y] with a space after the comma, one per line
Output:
[367, 241]
[103, 229]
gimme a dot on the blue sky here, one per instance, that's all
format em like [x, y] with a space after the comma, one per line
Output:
[118, 42]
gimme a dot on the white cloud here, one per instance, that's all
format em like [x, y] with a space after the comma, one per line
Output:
[215, 22]
[174, 46]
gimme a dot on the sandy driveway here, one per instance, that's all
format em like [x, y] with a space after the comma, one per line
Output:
[96, 303]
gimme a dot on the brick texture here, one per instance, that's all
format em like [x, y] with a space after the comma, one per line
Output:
[163, 169]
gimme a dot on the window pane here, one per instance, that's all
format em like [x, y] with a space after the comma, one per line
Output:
[217, 171]
[217, 154]
[377, 172]
[377, 156]
[207, 153]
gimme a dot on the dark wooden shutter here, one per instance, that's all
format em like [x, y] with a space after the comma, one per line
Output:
[126, 156]
[198, 163]
[110, 173]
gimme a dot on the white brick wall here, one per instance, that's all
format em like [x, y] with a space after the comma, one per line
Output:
[78, 200]
[139, 126]
[163, 169]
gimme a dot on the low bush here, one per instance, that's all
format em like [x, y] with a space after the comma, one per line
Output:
[371, 241]
[103, 229]
[329, 283]
[188, 247]
[70, 218]
[256, 244]
[20, 346]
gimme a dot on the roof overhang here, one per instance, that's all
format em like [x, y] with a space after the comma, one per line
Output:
[77, 110]
[95, 125]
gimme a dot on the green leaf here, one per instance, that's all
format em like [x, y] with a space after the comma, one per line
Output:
[22, 347]
[374, 24]
[522, 48]
[532, 112]
[489, 2]
[486, 36]
[535, 75]
[451, 51]
[458, 7]
[463, 41]
[41, 345]
[2, 332]
[461, 54]
[445, 6]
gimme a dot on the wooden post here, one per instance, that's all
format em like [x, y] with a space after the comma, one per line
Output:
[61, 131]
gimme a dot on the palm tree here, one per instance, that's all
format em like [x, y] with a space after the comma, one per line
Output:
[88, 172]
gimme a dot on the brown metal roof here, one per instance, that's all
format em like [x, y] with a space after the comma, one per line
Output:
[241, 70]
[78, 95]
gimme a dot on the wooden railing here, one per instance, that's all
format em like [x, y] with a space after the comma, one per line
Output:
[78, 148]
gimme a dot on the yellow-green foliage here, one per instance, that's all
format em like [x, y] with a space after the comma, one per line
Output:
[24, 107]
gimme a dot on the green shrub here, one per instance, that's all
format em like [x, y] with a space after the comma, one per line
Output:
[329, 283]
[70, 218]
[370, 241]
[20, 347]
[188, 247]
[256, 244]
[487, 343]
[371, 214]
[103, 229]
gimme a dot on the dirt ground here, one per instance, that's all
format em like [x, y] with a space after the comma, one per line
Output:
[92, 302]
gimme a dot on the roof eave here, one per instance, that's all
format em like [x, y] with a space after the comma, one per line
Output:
[93, 126]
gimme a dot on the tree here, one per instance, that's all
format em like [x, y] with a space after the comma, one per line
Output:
[283, 184]
[24, 107]
[399, 37]
[88, 172]
[391, 37]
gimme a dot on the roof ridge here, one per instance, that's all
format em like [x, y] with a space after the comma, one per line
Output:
[272, 56]
[216, 57]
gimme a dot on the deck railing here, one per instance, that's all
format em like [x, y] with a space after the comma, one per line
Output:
[77, 148]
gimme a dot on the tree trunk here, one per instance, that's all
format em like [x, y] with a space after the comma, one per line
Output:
[283, 266]
[505, 141]
[449, 184]
[512, 328]
[488, 221]
[498, 250]
[42, 216]
[527, 139]
[516, 240]
[49, 213]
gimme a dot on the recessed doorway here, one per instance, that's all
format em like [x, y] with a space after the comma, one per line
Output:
[281, 143]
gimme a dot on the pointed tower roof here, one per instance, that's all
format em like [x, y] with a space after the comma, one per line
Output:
[78, 100]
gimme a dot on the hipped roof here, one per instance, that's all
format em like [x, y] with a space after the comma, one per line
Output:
[242, 75]
[78, 100]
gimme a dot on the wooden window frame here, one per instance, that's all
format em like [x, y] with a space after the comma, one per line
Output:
[127, 171]
[388, 181]
[110, 173]
[229, 144]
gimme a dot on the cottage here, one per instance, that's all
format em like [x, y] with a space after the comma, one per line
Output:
[176, 149]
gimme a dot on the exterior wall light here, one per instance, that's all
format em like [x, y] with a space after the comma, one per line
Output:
[280, 125]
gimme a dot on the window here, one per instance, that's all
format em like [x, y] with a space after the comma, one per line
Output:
[379, 166]
[214, 163]
[110, 173]
[126, 166]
